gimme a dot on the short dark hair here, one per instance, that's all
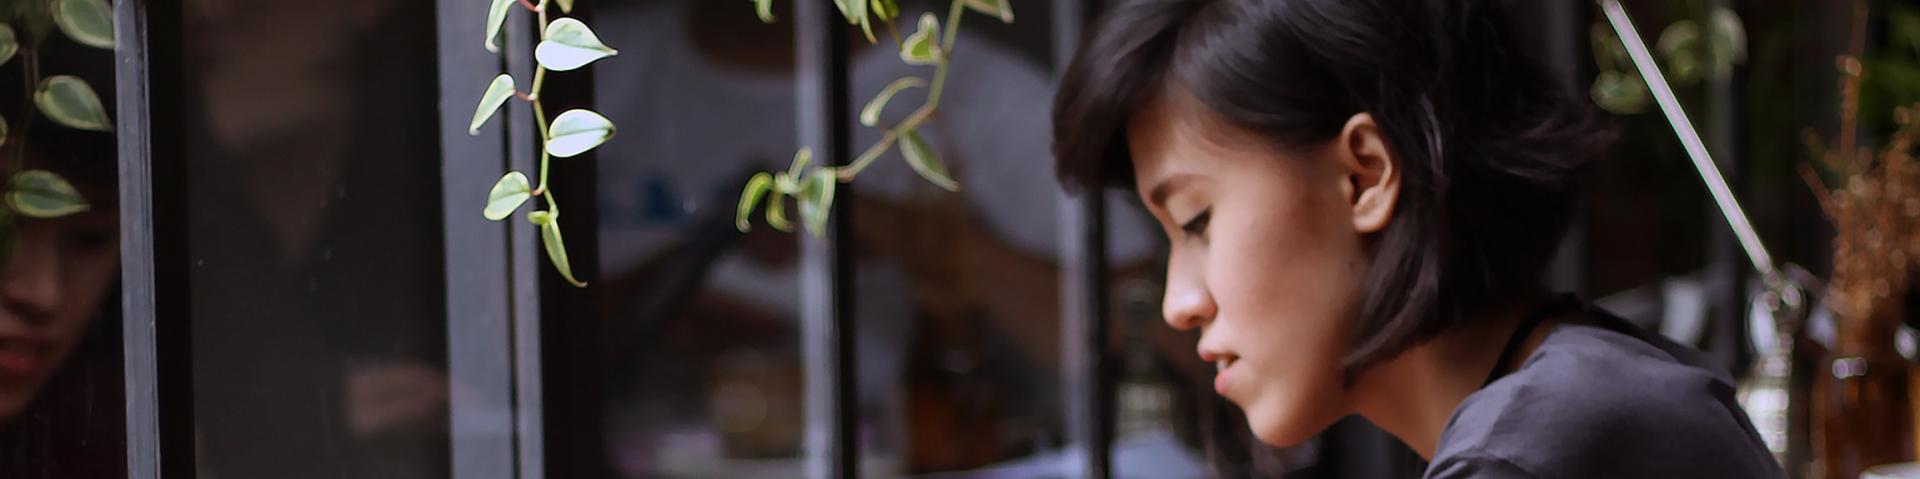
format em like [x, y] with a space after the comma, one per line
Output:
[1487, 140]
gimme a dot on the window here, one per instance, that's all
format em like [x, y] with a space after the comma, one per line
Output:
[313, 240]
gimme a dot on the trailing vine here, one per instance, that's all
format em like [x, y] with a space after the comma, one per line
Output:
[67, 100]
[812, 185]
[568, 44]
[565, 44]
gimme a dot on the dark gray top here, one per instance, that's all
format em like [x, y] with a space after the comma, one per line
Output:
[1604, 400]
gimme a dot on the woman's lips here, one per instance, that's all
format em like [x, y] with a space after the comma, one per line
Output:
[19, 357]
[1220, 378]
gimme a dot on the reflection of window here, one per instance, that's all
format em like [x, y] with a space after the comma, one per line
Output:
[319, 331]
[61, 401]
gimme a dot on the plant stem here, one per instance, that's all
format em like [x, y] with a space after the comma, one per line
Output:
[540, 122]
[30, 68]
[946, 54]
[953, 25]
[539, 78]
[847, 173]
[939, 81]
[895, 32]
[926, 110]
[540, 119]
[880, 147]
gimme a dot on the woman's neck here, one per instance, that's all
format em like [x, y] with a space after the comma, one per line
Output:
[1414, 394]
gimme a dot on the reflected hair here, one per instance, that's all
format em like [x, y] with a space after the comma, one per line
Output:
[1487, 142]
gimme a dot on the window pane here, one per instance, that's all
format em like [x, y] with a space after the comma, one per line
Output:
[319, 335]
[958, 293]
[702, 368]
[62, 408]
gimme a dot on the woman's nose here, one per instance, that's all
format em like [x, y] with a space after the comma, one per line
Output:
[30, 282]
[1187, 304]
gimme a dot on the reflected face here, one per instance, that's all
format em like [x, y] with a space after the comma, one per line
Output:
[1265, 259]
[50, 290]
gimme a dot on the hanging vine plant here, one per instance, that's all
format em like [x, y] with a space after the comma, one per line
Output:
[68, 101]
[812, 185]
[567, 44]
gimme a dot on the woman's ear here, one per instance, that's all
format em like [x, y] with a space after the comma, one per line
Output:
[1372, 172]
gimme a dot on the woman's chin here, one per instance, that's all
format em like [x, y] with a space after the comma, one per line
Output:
[1277, 431]
[1275, 428]
[12, 402]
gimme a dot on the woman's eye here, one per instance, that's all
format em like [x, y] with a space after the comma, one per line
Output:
[1198, 225]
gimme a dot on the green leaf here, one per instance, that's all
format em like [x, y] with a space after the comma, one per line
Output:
[1620, 93]
[576, 131]
[70, 101]
[42, 194]
[861, 18]
[1727, 36]
[926, 162]
[800, 160]
[496, 17]
[569, 44]
[764, 9]
[566, 6]
[3, 130]
[758, 186]
[816, 199]
[1608, 53]
[887, 10]
[508, 194]
[87, 22]
[497, 94]
[846, 10]
[541, 217]
[9, 45]
[1679, 47]
[923, 46]
[870, 115]
[777, 213]
[557, 250]
[996, 8]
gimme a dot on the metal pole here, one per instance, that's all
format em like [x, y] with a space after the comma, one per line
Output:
[1696, 148]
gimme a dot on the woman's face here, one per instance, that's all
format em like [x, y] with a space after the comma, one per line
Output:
[50, 289]
[1267, 256]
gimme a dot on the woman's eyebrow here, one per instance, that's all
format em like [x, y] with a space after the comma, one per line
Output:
[1157, 195]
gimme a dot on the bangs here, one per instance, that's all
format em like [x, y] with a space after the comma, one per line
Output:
[1122, 66]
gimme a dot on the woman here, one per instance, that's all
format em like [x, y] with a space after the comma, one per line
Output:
[62, 410]
[61, 407]
[1360, 196]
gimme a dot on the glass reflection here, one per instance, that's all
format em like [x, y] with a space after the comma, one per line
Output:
[61, 401]
[704, 378]
[319, 324]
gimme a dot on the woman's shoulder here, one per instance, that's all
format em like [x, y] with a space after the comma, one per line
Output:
[1605, 400]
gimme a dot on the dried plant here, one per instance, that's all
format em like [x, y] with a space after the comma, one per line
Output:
[1875, 210]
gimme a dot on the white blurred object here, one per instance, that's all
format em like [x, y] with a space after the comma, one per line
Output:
[1909, 470]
